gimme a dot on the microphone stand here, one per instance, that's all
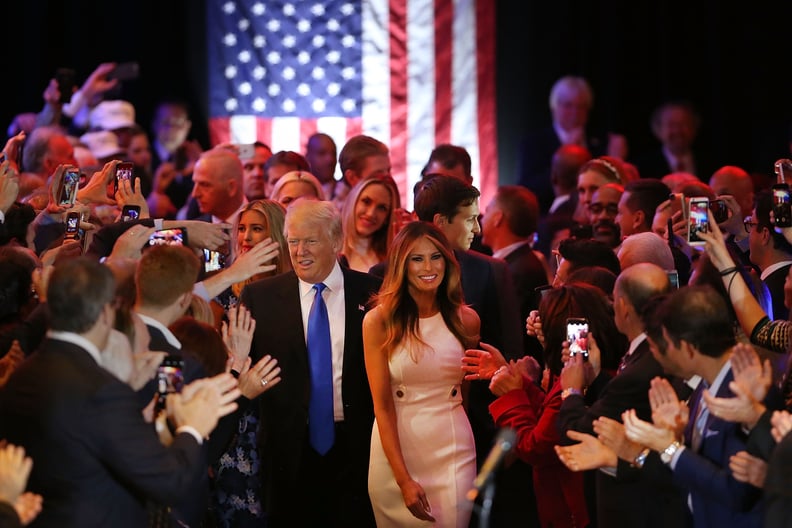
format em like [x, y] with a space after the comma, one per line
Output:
[486, 504]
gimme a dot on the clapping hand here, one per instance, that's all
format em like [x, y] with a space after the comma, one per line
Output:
[482, 364]
[589, 453]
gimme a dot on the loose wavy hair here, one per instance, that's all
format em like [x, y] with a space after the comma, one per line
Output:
[394, 298]
[382, 238]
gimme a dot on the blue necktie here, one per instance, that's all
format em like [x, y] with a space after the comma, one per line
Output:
[320, 406]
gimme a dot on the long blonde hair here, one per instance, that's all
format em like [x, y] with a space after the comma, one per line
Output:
[382, 238]
[274, 214]
[394, 297]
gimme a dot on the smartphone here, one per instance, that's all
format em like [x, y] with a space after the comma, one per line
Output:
[720, 210]
[67, 80]
[698, 221]
[246, 150]
[542, 290]
[123, 172]
[673, 278]
[130, 212]
[170, 378]
[677, 203]
[213, 260]
[577, 336]
[176, 236]
[125, 71]
[782, 210]
[72, 226]
[69, 186]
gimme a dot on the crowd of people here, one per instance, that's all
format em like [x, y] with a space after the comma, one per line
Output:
[262, 344]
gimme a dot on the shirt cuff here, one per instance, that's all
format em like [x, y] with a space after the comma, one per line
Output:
[158, 224]
[200, 290]
[191, 431]
[675, 457]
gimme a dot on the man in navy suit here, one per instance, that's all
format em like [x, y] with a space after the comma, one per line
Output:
[96, 461]
[301, 485]
[691, 334]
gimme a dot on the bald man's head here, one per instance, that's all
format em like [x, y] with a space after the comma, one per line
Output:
[735, 181]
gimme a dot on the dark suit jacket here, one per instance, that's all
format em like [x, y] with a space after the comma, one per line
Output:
[718, 499]
[527, 272]
[95, 460]
[775, 285]
[536, 156]
[653, 164]
[636, 501]
[275, 305]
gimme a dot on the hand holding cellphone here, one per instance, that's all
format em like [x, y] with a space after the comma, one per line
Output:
[170, 378]
[246, 150]
[130, 212]
[577, 336]
[782, 208]
[698, 221]
[67, 80]
[72, 226]
[125, 71]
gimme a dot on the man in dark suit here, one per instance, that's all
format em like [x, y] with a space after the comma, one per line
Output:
[691, 334]
[96, 461]
[634, 500]
[301, 486]
[770, 252]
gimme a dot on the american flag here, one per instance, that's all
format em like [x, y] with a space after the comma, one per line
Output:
[410, 73]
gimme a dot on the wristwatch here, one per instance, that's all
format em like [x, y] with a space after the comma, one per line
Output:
[641, 458]
[668, 452]
[569, 391]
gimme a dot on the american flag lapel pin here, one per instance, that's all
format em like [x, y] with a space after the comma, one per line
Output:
[361, 308]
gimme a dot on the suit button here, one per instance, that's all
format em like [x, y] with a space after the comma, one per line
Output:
[400, 393]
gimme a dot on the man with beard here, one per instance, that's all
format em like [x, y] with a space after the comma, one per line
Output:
[602, 213]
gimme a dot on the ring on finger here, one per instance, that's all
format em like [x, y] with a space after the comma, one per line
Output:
[264, 382]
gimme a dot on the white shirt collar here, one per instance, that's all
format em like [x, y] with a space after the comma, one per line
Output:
[635, 343]
[558, 201]
[76, 339]
[773, 267]
[334, 282]
[169, 337]
[508, 250]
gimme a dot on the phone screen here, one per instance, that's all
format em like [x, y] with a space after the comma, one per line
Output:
[172, 237]
[170, 377]
[673, 277]
[698, 221]
[577, 336]
[72, 226]
[213, 260]
[71, 182]
[123, 172]
[130, 212]
[782, 209]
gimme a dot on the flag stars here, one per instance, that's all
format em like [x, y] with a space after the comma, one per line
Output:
[317, 10]
[244, 56]
[303, 89]
[259, 8]
[333, 25]
[333, 89]
[259, 41]
[348, 73]
[245, 88]
[303, 26]
[274, 90]
[273, 57]
[289, 105]
[318, 105]
[303, 57]
[347, 9]
[318, 41]
[333, 56]
[259, 72]
[229, 8]
[348, 105]
[230, 39]
[318, 73]
[259, 104]
[273, 25]
[231, 104]
[243, 24]
[348, 41]
[289, 41]
[289, 73]
[288, 10]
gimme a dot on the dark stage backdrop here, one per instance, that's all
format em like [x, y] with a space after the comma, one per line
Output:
[733, 62]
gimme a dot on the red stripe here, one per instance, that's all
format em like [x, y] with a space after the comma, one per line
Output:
[219, 130]
[444, 37]
[307, 129]
[398, 86]
[264, 130]
[354, 128]
[487, 126]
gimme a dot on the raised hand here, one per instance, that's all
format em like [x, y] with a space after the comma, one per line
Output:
[644, 433]
[667, 411]
[259, 378]
[505, 379]
[482, 364]
[748, 468]
[238, 335]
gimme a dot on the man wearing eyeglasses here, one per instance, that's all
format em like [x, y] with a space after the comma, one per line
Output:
[603, 209]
